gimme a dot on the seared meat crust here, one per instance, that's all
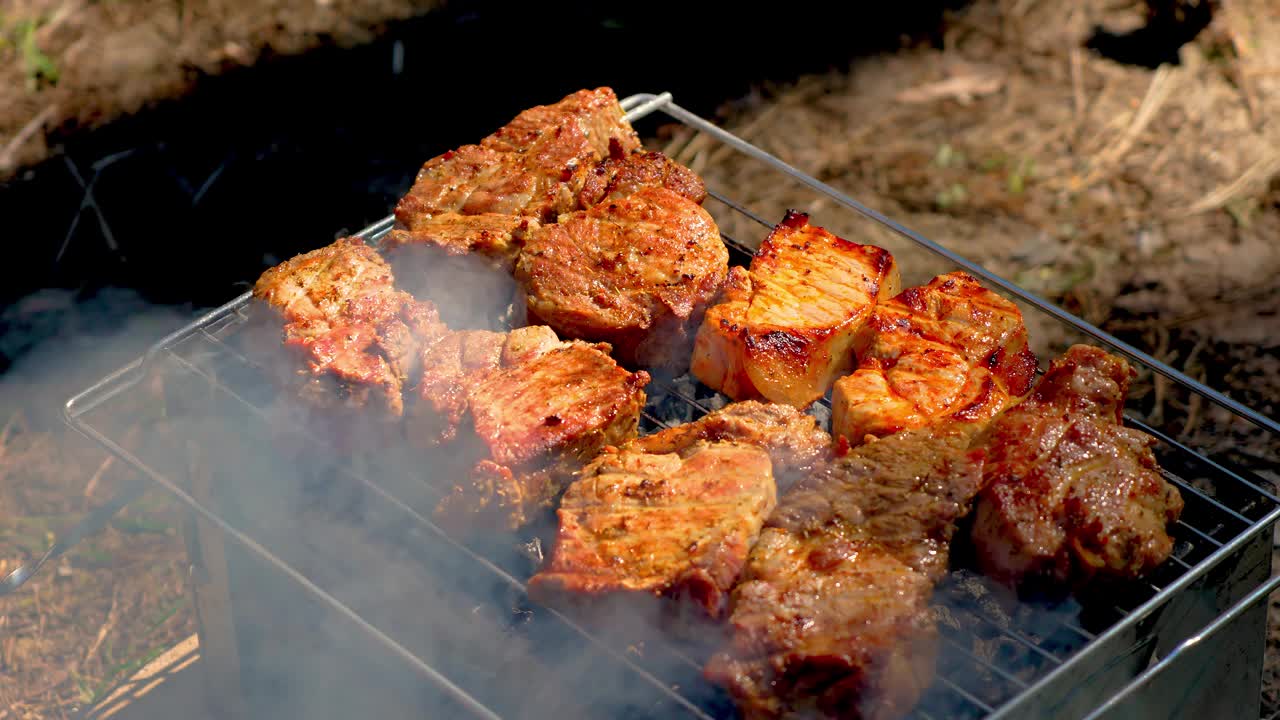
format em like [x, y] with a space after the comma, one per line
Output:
[636, 273]
[1071, 492]
[792, 324]
[795, 443]
[832, 618]
[524, 167]
[949, 351]
[626, 174]
[523, 411]
[668, 524]
[344, 315]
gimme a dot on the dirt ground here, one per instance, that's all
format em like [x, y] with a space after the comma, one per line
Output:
[1145, 200]
[70, 65]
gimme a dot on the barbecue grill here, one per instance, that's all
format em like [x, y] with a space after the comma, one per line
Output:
[324, 589]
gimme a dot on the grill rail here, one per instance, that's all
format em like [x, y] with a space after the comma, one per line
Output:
[994, 663]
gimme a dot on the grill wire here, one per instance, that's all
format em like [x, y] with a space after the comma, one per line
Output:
[992, 653]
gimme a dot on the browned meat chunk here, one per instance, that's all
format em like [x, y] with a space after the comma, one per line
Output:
[668, 524]
[950, 351]
[522, 410]
[1071, 492]
[524, 167]
[789, 326]
[793, 439]
[832, 618]
[626, 174]
[359, 334]
[636, 273]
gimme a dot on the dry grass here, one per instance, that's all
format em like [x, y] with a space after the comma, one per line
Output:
[103, 610]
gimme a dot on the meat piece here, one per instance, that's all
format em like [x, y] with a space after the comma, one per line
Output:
[667, 524]
[523, 168]
[461, 262]
[520, 412]
[1072, 493]
[791, 325]
[950, 350]
[793, 439]
[832, 618]
[359, 334]
[636, 273]
[626, 174]
[493, 236]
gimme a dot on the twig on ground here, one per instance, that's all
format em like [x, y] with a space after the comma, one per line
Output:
[106, 463]
[1077, 82]
[107, 626]
[1162, 84]
[1258, 173]
[25, 134]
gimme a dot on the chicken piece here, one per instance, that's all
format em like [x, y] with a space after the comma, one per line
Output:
[795, 443]
[791, 325]
[636, 273]
[520, 412]
[524, 168]
[949, 351]
[1072, 493]
[359, 334]
[625, 174]
[832, 618]
[667, 524]
[461, 262]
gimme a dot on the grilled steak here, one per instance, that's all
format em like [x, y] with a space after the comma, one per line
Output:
[950, 350]
[520, 412]
[832, 618]
[636, 273]
[524, 167]
[793, 439]
[625, 174]
[359, 335]
[791, 324]
[1071, 492]
[669, 524]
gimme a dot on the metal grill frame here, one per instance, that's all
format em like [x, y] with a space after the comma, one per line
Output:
[1040, 695]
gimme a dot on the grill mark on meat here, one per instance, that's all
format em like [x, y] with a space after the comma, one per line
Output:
[948, 351]
[788, 326]
[833, 618]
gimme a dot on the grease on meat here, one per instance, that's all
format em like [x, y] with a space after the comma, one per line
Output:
[948, 351]
[792, 324]
[832, 618]
[1071, 492]
[637, 273]
[660, 523]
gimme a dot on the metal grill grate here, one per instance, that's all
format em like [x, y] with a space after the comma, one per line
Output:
[997, 658]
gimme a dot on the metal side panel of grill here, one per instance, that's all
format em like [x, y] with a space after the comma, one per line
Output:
[325, 589]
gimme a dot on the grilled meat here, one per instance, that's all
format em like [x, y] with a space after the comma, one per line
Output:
[524, 167]
[792, 324]
[668, 524]
[1071, 492]
[950, 350]
[832, 618]
[521, 412]
[625, 174]
[359, 334]
[636, 273]
[793, 439]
